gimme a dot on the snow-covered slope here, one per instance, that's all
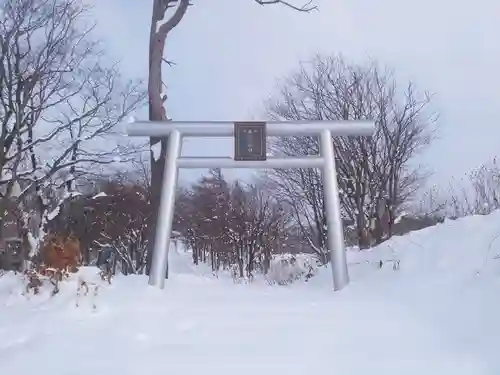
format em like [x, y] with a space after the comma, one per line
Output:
[438, 314]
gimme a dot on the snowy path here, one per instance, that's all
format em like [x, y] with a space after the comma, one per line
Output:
[435, 315]
[212, 326]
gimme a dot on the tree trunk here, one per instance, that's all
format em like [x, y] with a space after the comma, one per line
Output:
[156, 113]
[157, 38]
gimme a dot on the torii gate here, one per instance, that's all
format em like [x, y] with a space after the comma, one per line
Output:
[250, 152]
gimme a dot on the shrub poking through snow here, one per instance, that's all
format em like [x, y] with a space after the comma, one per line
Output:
[60, 256]
[287, 268]
[34, 282]
[61, 252]
[83, 287]
[37, 277]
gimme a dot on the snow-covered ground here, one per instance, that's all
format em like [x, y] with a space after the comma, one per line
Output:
[438, 314]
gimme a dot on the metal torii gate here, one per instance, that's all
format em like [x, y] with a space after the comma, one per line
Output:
[176, 130]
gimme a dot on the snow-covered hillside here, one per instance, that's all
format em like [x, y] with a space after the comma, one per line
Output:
[438, 314]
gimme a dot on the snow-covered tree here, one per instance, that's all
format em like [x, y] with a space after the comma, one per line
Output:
[376, 175]
[59, 102]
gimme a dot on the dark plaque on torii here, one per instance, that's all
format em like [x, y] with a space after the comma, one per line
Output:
[250, 141]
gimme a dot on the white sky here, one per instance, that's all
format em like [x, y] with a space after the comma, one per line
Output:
[229, 54]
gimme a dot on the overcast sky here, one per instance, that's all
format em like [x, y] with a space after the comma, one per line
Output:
[229, 54]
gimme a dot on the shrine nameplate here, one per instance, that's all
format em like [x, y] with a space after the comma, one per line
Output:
[250, 141]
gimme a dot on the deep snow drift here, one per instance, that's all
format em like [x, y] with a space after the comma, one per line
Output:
[438, 314]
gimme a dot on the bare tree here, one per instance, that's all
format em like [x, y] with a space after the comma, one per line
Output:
[110, 222]
[167, 14]
[203, 217]
[231, 226]
[124, 213]
[476, 194]
[58, 98]
[375, 174]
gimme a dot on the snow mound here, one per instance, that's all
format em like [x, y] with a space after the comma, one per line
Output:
[287, 268]
[436, 314]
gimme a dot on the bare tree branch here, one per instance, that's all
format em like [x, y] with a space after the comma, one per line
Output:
[308, 7]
